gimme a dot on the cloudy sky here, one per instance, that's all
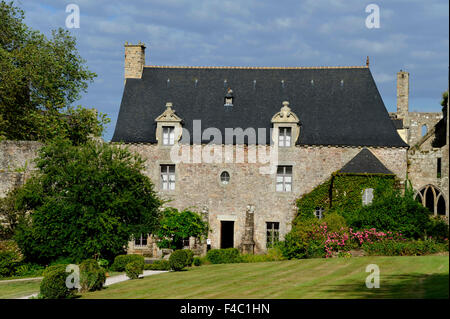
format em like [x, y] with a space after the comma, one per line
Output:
[413, 36]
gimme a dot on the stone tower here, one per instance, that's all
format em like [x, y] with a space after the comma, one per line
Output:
[402, 94]
[134, 60]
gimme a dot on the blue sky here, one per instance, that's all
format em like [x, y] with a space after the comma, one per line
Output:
[413, 36]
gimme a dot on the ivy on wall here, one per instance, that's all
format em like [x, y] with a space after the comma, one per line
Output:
[342, 193]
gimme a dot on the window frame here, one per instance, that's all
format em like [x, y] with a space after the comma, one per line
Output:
[272, 233]
[141, 241]
[284, 175]
[170, 139]
[284, 132]
[166, 172]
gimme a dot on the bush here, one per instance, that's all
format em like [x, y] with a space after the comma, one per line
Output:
[52, 268]
[437, 229]
[9, 261]
[392, 212]
[178, 259]
[158, 265]
[29, 270]
[92, 276]
[121, 261]
[404, 248]
[190, 257]
[53, 286]
[133, 269]
[197, 261]
[223, 256]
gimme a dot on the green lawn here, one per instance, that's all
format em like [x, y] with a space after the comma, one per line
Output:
[400, 277]
[18, 289]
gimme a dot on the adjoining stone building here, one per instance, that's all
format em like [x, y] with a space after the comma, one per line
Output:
[317, 119]
[427, 158]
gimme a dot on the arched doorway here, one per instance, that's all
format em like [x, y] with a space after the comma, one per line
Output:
[432, 198]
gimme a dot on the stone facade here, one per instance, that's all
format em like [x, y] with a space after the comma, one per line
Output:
[16, 163]
[249, 192]
[419, 131]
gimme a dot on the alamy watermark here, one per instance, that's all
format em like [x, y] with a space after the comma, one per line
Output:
[73, 19]
[373, 19]
[373, 280]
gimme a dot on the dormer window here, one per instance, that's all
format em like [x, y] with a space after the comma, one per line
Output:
[284, 137]
[229, 98]
[168, 135]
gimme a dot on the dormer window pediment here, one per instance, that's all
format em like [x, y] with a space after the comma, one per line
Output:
[168, 127]
[286, 126]
[228, 100]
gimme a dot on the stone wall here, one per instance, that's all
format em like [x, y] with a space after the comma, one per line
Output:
[198, 185]
[16, 163]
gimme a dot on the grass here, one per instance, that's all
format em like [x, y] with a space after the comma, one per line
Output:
[400, 277]
[18, 289]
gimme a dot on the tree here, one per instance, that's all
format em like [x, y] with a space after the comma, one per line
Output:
[85, 201]
[40, 78]
[176, 226]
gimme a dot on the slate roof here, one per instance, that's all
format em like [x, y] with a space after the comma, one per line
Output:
[336, 105]
[398, 123]
[365, 163]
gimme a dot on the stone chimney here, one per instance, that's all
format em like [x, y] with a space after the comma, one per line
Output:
[134, 60]
[402, 94]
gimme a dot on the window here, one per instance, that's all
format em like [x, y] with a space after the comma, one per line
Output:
[284, 179]
[424, 130]
[284, 137]
[141, 241]
[367, 196]
[168, 177]
[439, 167]
[273, 233]
[185, 242]
[319, 212]
[225, 177]
[168, 135]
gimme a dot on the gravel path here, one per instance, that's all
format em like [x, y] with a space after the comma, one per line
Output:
[109, 281]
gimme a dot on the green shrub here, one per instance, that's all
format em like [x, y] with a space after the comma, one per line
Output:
[103, 263]
[404, 248]
[92, 276]
[437, 229]
[52, 268]
[122, 260]
[134, 268]
[197, 261]
[392, 211]
[178, 259]
[158, 265]
[9, 261]
[29, 270]
[223, 256]
[190, 257]
[53, 286]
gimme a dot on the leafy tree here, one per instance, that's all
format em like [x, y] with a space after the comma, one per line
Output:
[86, 201]
[10, 215]
[40, 78]
[176, 226]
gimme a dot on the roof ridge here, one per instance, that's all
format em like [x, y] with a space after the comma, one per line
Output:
[257, 67]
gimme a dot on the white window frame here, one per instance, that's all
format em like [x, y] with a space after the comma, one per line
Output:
[284, 136]
[141, 240]
[167, 177]
[367, 196]
[319, 212]
[168, 135]
[284, 178]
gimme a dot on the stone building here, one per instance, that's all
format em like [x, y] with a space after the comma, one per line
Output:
[240, 144]
[205, 130]
[427, 157]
